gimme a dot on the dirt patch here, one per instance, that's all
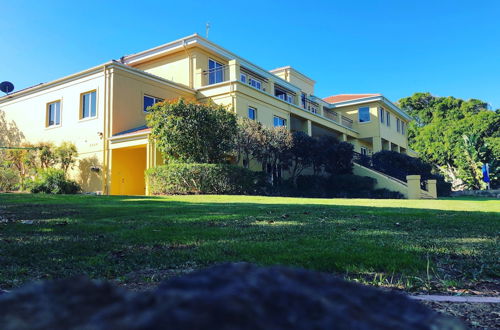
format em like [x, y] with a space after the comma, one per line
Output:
[475, 315]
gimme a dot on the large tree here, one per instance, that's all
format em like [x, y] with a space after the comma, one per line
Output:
[193, 132]
[455, 135]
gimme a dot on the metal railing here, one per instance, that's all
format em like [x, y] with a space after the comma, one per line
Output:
[347, 122]
[330, 114]
[215, 76]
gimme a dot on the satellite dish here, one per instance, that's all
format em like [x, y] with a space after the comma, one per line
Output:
[6, 87]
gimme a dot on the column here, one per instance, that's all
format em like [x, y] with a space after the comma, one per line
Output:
[377, 144]
[309, 127]
[234, 70]
[413, 182]
[432, 188]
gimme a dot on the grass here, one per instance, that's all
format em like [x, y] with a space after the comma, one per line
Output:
[425, 244]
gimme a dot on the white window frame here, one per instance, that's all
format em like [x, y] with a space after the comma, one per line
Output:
[382, 115]
[254, 113]
[364, 151]
[155, 100]
[215, 71]
[279, 118]
[243, 78]
[398, 123]
[403, 128]
[258, 83]
[82, 97]
[47, 114]
[388, 119]
[359, 115]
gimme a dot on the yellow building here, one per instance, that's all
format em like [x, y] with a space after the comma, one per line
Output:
[102, 109]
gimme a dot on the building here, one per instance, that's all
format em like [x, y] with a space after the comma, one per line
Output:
[102, 109]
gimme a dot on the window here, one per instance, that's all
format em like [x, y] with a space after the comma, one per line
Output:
[252, 113]
[281, 94]
[89, 107]
[398, 123]
[149, 101]
[388, 118]
[243, 78]
[215, 72]
[303, 98]
[53, 114]
[364, 151]
[278, 121]
[364, 114]
[254, 82]
[382, 113]
[403, 128]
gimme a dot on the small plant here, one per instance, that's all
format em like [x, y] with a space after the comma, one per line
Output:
[53, 181]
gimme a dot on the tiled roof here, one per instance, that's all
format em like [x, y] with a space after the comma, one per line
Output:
[347, 97]
[140, 129]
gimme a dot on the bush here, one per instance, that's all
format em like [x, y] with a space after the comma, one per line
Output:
[340, 186]
[180, 178]
[9, 180]
[53, 181]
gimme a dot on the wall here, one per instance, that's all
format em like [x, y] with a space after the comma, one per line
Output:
[28, 112]
[383, 181]
[128, 97]
[174, 67]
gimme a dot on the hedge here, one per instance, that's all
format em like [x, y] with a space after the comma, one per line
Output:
[196, 178]
[53, 181]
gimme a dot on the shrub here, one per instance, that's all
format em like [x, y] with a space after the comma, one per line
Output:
[194, 178]
[341, 186]
[53, 181]
[9, 179]
[400, 165]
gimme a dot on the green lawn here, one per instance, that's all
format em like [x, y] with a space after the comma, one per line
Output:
[410, 244]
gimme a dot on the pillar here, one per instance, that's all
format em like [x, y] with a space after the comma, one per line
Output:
[432, 188]
[234, 70]
[309, 127]
[413, 183]
[377, 144]
[344, 137]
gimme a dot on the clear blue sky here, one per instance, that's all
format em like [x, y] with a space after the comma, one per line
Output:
[446, 47]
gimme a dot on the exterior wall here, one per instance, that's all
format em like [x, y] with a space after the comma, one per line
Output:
[296, 78]
[128, 96]
[29, 114]
[174, 67]
[383, 181]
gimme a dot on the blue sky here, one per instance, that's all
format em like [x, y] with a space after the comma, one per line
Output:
[392, 47]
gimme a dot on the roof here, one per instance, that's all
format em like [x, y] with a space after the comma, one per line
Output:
[347, 97]
[133, 131]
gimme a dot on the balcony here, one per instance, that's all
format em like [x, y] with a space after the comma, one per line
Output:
[347, 122]
[330, 114]
[215, 75]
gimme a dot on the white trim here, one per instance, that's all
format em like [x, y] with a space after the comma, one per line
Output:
[196, 39]
[127, 137]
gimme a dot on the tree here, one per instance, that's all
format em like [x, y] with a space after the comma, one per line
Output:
[65, 155]
[248, 140]
[274, 146]
[300, 154]
[23, 160]
[193, 132]
[456, 136]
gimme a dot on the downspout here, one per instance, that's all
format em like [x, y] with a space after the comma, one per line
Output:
[190, 63]
[104, 135]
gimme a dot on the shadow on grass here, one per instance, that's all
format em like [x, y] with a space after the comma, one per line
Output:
[108, 237]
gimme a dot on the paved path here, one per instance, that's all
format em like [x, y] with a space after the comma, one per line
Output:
[458, 299]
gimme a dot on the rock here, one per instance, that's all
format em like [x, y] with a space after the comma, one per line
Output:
[228, 296]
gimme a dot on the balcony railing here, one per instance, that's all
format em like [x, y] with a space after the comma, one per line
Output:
[215, 75]
[330, 114]
[347, 122]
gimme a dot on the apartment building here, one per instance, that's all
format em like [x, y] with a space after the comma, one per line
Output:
[102, 110]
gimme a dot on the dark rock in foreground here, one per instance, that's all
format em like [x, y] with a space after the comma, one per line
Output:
[229, 296]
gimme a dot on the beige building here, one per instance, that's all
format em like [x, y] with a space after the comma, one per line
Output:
[102, 110]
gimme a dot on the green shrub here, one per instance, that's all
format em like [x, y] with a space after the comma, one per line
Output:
[53, 181]
[180, 178]
[9, 179]
[339, 186]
